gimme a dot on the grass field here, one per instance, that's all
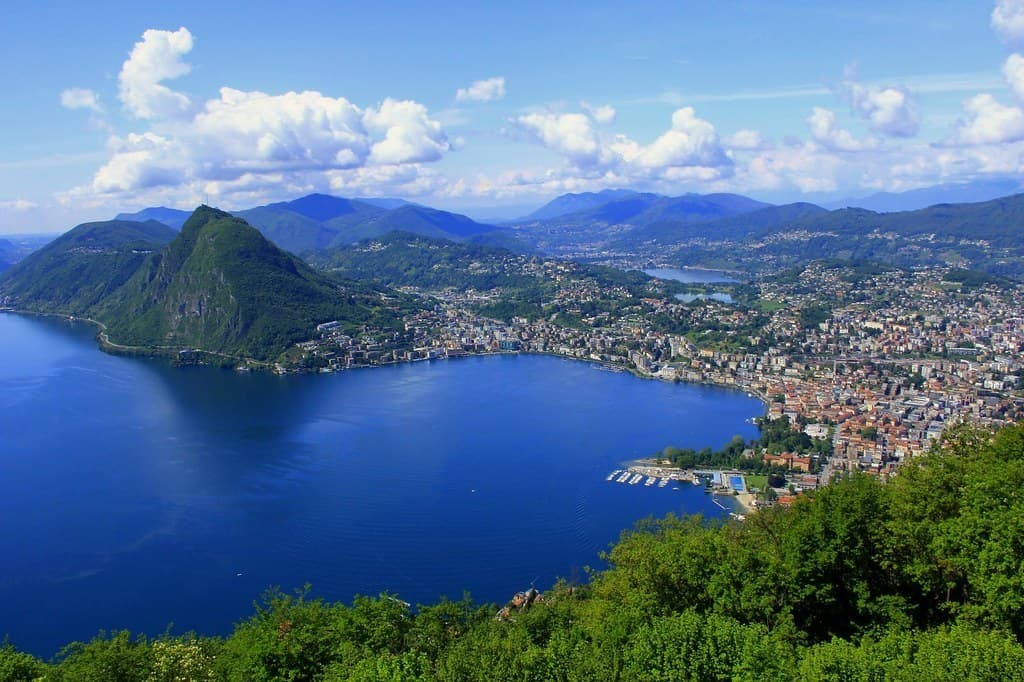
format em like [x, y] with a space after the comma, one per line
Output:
[759, 482]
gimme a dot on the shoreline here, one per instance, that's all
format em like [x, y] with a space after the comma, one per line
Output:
[169, 352]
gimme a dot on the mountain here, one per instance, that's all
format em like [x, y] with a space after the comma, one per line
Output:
[323, 207]
[986, 236]
[171, 217]
[594, 229]
[971, 192]
[291, 231]
[573, 203]
[299, 225]
[387, 203]
[223, 287]
[80, 268]
[9, 254]
[412, 218]
[730, 227]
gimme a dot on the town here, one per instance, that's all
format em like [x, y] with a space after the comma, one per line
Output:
[880, 361]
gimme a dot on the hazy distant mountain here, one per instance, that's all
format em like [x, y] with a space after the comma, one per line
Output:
[78, 269]
[171, 217]
[986, 236]
[730, 227]
[387, 203]
[323, 207]
[411, 218]
[614, 221]
[9, 254]
[572, 203]
[971, 192]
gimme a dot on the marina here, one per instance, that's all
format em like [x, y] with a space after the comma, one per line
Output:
[719, 484]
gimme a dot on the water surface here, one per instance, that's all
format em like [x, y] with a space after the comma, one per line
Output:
[691, 275]
[134, 494]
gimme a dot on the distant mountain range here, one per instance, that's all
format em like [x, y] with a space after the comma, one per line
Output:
[911, 200]
[692, 228]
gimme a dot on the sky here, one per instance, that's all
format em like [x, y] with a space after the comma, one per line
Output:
[495, 108]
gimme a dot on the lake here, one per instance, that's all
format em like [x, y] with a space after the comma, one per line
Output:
[691, 275]
[134, 494]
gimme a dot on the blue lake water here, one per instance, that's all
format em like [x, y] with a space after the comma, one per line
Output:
[691, 275]
[134, 494]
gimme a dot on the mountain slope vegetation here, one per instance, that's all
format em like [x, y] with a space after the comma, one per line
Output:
[223, 287]
[76, 271]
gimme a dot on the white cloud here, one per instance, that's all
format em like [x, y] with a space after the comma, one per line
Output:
[690, 150]
[746, 140]
[18, 205]
[487, 90]
[410, 136]
[156, 58]
[1008, 20]
[603, 114]
[826, 131]
[1013, 72]
[691, 141]
[571, 135]
[141, 161]
[80, 98]
[244, 141]
[989, 122]
[806, 166]
[891, 110]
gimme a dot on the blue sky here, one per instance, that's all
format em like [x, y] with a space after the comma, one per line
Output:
[484, 107]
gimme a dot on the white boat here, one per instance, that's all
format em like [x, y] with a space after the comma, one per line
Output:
[650, 481]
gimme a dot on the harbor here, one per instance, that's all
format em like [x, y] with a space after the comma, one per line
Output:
[714, 482]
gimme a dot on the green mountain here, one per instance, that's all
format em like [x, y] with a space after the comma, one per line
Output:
[406, 259]
[80, 268]
[223, 287]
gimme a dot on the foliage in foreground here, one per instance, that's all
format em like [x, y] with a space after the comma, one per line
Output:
[918, 579]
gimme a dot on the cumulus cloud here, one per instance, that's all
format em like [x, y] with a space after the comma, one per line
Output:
[80, 98]
[691, 141]
[1008, 20]
[156, 58]
[891, 111]
[571, 135]
[989, 122]
[746, 140]
[487, 90]
[825, 130]
[689, 150]
[409, 135]
[603, 114]
[1013, 72]
[804, 165]
[243, 141]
